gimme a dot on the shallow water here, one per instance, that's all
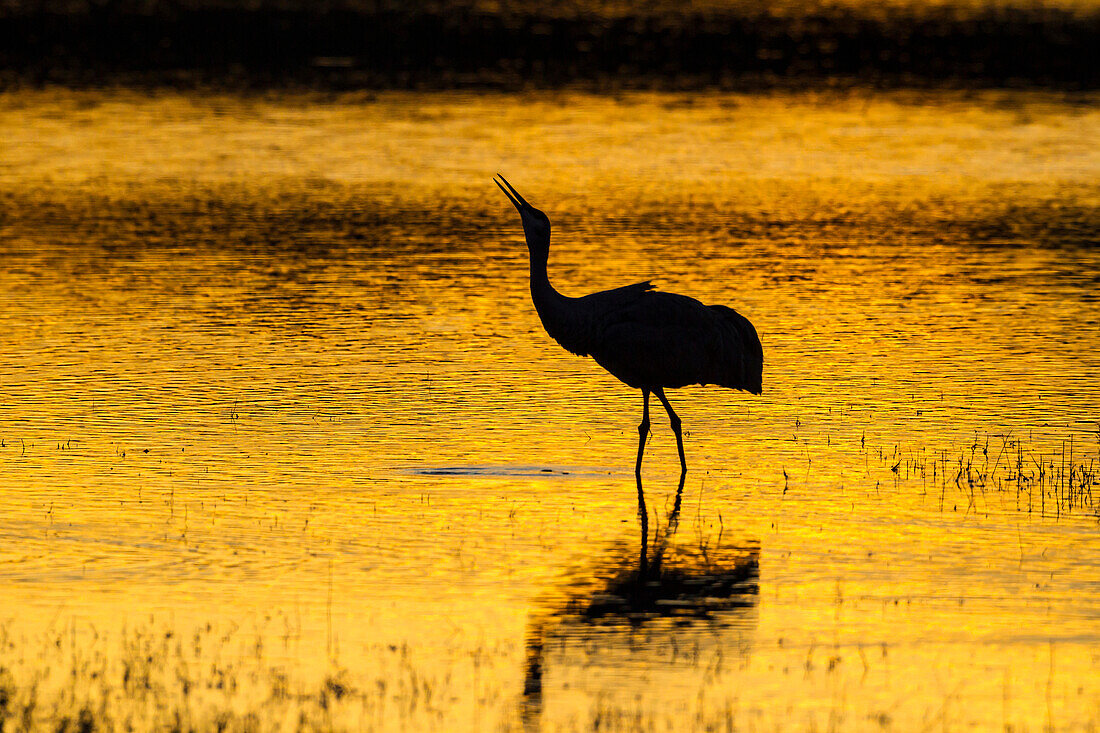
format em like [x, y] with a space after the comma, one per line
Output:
[272, 376]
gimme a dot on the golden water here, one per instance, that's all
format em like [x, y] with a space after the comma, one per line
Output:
[276, 406]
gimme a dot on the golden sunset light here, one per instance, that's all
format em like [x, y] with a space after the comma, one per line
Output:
[291, 437]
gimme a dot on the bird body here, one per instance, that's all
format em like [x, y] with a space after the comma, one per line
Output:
[648, 339]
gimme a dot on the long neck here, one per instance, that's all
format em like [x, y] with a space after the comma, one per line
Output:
[548, 302]
[540, 281]
[561, 316]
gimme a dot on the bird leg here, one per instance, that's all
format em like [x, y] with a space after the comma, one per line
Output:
[674, 515]
[643, 517]
[643, 432]
[674, 419]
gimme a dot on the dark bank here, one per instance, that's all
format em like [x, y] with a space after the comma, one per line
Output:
[736, 45]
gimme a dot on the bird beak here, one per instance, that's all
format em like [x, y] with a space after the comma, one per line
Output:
[512, 194]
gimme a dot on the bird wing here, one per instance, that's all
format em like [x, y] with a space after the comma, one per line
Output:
[579, 326]
[660, 339]
[608, 301]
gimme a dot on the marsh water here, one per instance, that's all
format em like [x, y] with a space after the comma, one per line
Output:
[281, 429]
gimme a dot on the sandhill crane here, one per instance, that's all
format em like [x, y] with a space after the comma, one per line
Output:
[647, 339]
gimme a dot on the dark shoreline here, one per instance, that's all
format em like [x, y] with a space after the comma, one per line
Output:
[428, 47]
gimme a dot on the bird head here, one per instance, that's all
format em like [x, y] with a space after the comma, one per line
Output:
[536, 225]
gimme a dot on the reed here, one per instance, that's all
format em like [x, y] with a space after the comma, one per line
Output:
[1043, 478]
[215, 679]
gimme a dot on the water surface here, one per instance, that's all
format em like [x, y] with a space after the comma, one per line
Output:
[277, 407]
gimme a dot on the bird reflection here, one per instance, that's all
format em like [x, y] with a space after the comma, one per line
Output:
[666, 588]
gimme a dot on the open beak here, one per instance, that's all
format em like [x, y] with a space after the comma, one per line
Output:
[512, 194]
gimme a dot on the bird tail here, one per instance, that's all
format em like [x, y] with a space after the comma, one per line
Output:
[744, 359]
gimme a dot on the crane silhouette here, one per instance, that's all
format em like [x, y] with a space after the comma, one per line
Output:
[649, 340]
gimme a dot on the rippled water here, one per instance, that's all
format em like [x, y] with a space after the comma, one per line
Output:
[273, 388]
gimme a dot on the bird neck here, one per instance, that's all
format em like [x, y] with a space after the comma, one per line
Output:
[563, 320]
[539, 278]
[542, 292]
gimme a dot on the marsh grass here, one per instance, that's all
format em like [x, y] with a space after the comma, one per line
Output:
[152, 678]
[1045, 479]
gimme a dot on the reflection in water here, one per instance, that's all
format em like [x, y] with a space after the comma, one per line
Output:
[683, 584]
